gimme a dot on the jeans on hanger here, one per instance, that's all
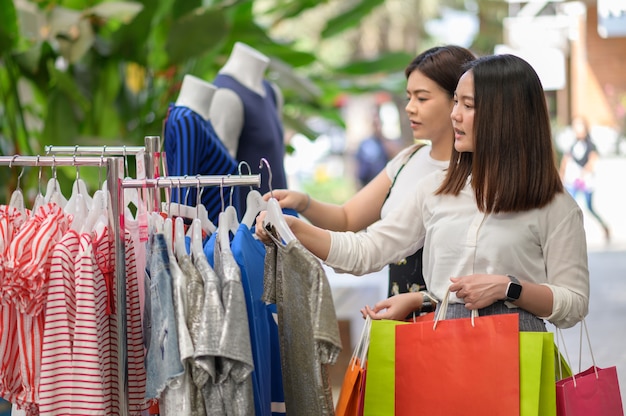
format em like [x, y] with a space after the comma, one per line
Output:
[163, 356]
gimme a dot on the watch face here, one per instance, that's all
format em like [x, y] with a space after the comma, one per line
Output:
[514, 291]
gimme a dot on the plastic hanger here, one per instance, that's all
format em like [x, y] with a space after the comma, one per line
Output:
[275, 217]
[199, 211]
[40, 200]
[53, 189]
[77, 205]
[17, 197]
[227, 221]
[179, 235]
[254, 202]
[99, 204]
[197, 228]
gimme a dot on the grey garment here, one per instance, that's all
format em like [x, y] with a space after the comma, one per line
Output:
[195, 302]
[208, 347]
[307, 327]
[527, 321]
[235, 377]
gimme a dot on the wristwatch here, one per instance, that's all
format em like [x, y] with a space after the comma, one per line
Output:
[513, 289]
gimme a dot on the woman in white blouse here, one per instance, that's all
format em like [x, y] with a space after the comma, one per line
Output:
[498, 230]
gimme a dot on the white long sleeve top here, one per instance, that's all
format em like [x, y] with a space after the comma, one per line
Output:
[545, 246]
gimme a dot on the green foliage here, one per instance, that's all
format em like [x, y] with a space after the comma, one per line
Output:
[350, 18]
[103, 72]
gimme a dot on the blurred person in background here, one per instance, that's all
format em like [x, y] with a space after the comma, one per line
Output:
[432, 77]
[372, 155]
[577, 169]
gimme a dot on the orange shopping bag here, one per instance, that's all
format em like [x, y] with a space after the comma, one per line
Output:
[465, 366]
[353, 386]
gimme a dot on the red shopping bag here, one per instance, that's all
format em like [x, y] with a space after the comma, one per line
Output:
[593, 392]
[467, 366]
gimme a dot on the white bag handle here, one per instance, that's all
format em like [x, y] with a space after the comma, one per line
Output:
[583, 325]
[360, 351]
[441, 313]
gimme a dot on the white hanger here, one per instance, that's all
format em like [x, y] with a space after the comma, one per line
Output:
[78, 206]
[40, 200]
[17, 197]
[227, 221]
[53, 190]
[254, 202]
[179, 234]
[275, 216]
[199, 211]
[180, 248]
[197, 248]
[98, 214]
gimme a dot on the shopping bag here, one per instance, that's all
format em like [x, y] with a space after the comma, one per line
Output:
[467, 366]
[593, 392]
[379, 397]
[352, 386]
[537, 374]
[380, 380]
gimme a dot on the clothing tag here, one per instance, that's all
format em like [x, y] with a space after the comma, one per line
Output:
[140, 163]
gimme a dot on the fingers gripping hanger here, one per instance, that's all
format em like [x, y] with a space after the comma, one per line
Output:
[254, 201]
[275, 217]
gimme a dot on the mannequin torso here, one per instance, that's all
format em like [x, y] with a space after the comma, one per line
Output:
[192, 146]
[247, 66]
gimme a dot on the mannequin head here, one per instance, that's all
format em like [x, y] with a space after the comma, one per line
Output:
[196, 94]
[248, 66]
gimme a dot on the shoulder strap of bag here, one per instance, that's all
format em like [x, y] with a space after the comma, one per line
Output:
[417, 147]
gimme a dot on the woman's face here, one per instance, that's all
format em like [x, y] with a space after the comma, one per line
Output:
[428, 108]
[463, 114]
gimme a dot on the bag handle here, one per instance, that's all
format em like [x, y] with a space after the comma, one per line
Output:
[443, 308]
[360, 351]
[583, 325]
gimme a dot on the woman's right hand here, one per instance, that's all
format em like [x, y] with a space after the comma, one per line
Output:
[289, 199]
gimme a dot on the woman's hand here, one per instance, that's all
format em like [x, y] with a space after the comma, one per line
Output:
[479, 290]
[289, 199]
[260, 230]
[396, 307]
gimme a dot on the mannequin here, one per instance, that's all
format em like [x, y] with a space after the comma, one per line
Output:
[246, 114]
[192, 146]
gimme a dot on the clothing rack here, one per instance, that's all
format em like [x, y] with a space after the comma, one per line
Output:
[114, 158]
[114, 167]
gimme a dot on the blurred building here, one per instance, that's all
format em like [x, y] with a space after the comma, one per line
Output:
[579, 50]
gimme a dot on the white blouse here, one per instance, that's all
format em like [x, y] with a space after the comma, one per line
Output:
[545, 246]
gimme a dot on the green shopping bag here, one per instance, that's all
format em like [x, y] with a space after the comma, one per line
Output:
[537, 374]
[381, 369]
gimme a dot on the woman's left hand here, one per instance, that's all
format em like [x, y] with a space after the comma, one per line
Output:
[479, 290]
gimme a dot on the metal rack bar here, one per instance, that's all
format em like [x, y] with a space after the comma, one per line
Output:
[190, 181]
[19, 160]
[94, 150]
